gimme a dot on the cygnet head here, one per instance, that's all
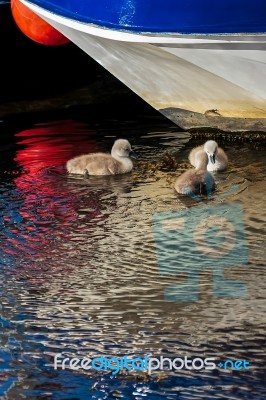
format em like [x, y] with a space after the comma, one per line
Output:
[201, 160]
[211, 148]
[122, 148]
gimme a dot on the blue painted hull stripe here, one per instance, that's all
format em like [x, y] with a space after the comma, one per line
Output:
[165, 16]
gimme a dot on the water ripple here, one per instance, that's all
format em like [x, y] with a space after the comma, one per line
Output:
[81, 272]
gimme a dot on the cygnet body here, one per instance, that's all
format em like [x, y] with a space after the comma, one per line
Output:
[198, 180]
[118, 162]
[217, 159]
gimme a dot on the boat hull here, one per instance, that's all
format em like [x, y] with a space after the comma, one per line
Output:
[164, 16]
[197, 81]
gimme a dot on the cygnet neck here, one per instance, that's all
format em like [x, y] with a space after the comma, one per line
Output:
[117, 156]
[201, 160]
[125, 162]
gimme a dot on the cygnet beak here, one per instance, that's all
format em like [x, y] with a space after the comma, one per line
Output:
[133, 155]
[212, 158]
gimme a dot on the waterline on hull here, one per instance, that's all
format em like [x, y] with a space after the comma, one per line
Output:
[191, 120]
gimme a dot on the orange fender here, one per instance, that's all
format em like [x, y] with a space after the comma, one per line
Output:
[35, 27]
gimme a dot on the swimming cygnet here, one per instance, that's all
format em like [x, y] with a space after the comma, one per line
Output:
[217, 159]
[118, 162]
[198, 180]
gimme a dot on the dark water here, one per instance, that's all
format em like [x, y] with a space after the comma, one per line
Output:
[83, 272]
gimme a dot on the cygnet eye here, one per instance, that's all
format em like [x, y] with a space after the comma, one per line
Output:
[126, 149]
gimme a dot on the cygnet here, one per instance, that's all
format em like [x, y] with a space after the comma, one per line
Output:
[118, 162]
[217, 159]
[198, 180]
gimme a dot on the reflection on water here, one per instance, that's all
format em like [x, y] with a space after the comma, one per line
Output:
[80, 273]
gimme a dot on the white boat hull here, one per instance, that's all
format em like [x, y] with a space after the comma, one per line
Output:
[196, 81]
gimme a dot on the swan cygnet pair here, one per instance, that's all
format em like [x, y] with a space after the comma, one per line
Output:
[198, 180]
[118, 162]
[217, 159]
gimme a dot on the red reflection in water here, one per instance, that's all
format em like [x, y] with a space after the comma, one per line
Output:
[39, 221]
[53, 144]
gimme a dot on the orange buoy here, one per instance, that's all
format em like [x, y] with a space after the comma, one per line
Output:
[35, 27]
